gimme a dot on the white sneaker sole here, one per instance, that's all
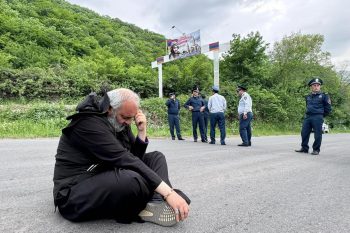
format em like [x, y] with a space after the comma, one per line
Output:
[159, 213]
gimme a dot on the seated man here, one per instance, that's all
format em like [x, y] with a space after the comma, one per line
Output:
[102, 170]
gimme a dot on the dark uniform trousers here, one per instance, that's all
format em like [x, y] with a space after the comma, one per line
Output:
[118, 193]
[205, 122]
[173, 120]
[219, 118]
[312, 122]
[197, 119]
[245, 129]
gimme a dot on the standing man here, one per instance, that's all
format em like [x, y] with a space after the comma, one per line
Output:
[173, 105]
[318, 105]
[196, 105]
[205, 115]
[217, 107]
[103, 171]
[245, 116]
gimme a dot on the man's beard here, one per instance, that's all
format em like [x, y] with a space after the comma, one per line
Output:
[116, 125]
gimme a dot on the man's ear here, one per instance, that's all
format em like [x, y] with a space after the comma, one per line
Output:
[110, 109]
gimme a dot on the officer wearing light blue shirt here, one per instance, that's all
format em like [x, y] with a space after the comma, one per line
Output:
[217, 107]
[245, 115]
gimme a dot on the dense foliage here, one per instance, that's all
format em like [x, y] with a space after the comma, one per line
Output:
[277, 80]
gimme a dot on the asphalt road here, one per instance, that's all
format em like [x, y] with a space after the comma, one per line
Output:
[264, 188]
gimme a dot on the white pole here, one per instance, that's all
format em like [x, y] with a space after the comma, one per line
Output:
[160, 80]
[216, 68]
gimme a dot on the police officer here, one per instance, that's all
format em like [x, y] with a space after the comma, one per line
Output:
[173, 105]
[318, 105]
[245, 115]
[217, 107]
[196, 105]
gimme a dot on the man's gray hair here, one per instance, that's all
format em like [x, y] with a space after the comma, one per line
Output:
[118, 96]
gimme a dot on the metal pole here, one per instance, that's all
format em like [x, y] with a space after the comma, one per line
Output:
[216, 68]
[160, 80]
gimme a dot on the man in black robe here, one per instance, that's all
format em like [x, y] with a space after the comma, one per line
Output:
[102, 170]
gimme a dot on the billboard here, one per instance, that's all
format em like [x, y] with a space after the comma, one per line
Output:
[184, 46]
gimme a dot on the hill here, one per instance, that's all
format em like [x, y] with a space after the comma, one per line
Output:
[46, 45]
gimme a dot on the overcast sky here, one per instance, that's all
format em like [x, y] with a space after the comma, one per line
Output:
[219, 19]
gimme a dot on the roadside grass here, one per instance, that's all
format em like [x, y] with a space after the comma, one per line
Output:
[42, 119]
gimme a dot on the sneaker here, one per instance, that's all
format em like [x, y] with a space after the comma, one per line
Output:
[159, 213]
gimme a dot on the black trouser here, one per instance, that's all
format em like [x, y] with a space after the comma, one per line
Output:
[312, 122]
[120, 194]
[174, 121]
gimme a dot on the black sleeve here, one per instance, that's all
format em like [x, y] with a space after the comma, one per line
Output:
[188, 102]
[95, 136]
[327, 105]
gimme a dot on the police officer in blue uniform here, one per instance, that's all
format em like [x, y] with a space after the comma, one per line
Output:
[318, 105]
[173, 105]
[196, 105]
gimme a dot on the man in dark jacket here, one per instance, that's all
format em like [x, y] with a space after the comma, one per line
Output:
[102, 170]
[173, 105]
[196, 105]
[318, 105]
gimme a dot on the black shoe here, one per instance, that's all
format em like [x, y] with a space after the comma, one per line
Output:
[223, 144]
[173, 138]
[302, 151]
[211, 142]
[195, 140]
[243, 144]
[315, 152]
[204, 141]
[249, 143]
[181, 139]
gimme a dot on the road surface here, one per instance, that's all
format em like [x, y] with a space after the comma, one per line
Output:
[264, 188]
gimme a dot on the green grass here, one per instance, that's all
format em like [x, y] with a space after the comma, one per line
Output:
[43, 119]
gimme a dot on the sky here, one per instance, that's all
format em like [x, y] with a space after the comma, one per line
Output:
[217, 20]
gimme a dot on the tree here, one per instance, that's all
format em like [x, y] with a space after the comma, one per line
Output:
[246, 60]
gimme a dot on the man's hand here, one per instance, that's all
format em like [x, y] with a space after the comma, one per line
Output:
[245, 116]
[190, 108]
[141, 125]
[202, 108]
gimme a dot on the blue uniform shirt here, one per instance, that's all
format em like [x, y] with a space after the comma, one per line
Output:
[173, 106]
[318, 103]
[195, 102]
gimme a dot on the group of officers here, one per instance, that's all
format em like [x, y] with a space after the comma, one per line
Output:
[318, 105]
[213, 111]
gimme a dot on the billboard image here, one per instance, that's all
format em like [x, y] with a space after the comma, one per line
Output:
[184, 46]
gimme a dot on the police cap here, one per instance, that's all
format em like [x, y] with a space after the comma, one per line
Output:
[195, 89]
[241, 87]
[215, 88]
[315, 80]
